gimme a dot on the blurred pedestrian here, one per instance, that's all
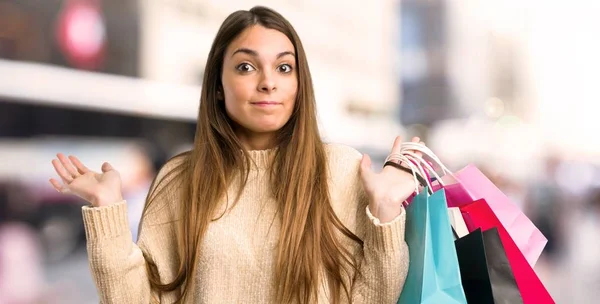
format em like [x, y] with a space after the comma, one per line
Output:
[21, 272]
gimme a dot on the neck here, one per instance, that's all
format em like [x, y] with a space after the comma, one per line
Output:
[257, 141]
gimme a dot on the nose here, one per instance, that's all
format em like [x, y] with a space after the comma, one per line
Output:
[267, 83]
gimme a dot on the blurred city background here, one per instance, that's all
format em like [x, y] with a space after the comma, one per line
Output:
[509, 85]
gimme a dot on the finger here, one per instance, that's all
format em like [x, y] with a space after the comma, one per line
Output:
[80, 167]
[419, 153]
[58, 186]
[365, 167]
[55, 184]
[416, 139]
[64, 175]
[106, 167]
[397, 145]
[67, 165]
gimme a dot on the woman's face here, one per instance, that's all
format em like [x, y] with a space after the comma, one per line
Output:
[260, 81]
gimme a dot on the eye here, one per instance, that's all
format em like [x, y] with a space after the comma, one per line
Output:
[245, 68]
[285, 68]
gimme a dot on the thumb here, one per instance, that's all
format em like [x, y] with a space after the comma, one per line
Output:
[365, 167]
[106, 167]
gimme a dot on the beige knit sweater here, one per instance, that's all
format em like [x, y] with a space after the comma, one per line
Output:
[237, 264]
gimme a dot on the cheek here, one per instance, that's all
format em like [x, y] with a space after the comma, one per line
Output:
[237, 90]
[234, 108]
[235, 100]
[293, 94]
[290, 90]
[236, 95]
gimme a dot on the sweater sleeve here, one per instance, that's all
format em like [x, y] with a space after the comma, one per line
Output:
[118, 266]
[385, 257]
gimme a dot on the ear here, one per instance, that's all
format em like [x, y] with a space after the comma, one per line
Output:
[220, 94]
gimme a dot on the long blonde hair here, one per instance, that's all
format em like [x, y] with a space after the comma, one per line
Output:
[309, 241]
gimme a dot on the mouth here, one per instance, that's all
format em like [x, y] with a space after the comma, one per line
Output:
[265, 103]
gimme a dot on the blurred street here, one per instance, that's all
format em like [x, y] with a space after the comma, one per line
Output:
[508, 86]
[71, 276]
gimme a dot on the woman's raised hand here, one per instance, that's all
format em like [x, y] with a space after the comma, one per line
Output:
[388, 189]
[100, 189]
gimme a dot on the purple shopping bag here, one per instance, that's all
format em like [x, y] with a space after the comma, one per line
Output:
[471, 185]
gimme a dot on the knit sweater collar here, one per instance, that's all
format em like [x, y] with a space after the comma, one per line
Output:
[262, 158]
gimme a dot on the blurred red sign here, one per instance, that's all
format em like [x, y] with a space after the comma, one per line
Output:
[81, 33]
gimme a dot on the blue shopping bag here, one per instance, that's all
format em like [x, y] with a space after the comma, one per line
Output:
[433, 273]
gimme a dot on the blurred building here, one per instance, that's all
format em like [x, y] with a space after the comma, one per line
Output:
[95, 77]
[503, 84]
[351, 54]
[161, 48]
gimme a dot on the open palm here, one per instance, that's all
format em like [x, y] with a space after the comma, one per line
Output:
[99, 189]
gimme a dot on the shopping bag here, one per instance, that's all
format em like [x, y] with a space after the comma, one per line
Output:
[457, 222]
[478, 214]
[470, 184]
[433, 274]
[484, 268]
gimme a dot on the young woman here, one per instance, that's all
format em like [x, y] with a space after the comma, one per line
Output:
[260, 210]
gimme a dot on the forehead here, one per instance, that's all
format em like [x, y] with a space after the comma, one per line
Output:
[263, 40]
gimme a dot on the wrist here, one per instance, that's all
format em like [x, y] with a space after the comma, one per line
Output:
[101, 200]
[385, 213]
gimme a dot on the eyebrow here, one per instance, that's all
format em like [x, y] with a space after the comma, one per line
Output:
[254, 53]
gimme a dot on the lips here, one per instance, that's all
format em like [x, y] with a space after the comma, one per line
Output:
[266, 103]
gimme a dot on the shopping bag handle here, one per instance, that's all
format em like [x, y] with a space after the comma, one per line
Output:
[407, 146]
[421, 162]
[401, 158]
[422, 181]
[417, 162]
[426, 151]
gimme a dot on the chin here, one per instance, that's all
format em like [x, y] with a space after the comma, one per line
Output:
[266, 127]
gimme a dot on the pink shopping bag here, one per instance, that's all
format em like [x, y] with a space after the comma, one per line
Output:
[478, 214]
[471, 185]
